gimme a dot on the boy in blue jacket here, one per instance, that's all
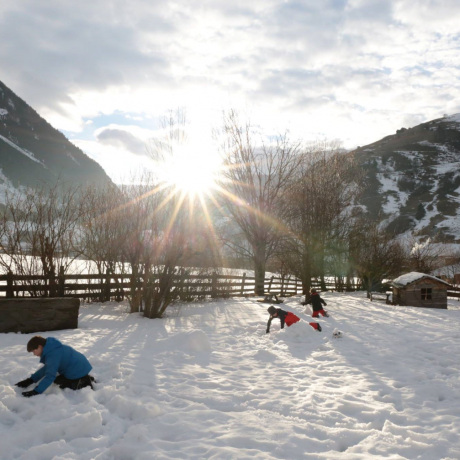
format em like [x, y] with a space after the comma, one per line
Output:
[73, 368]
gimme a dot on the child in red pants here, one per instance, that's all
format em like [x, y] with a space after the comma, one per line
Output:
[316, 301]
[286, 317]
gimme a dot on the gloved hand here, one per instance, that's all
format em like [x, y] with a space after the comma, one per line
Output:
[24, 383]
[28, 394]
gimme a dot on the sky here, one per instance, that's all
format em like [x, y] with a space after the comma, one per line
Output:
[105, 72]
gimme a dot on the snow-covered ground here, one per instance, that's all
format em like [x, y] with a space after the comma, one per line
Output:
[208, 383]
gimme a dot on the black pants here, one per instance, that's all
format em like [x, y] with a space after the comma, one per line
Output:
[74, 384]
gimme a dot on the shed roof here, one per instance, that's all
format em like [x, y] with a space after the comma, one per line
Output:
[411, 277]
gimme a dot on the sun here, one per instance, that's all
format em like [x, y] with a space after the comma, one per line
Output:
[192, 171]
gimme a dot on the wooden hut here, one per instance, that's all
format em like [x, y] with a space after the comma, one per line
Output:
[420, 290]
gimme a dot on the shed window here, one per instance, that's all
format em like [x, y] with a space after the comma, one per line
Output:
[426, 293]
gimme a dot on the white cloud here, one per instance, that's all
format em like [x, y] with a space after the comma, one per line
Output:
[119, 163]
[354, 70]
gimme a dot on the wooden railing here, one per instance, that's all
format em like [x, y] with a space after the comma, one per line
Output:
[104, 287]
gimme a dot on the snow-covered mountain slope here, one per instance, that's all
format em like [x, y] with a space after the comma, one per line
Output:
[414, 178]
[32, 151]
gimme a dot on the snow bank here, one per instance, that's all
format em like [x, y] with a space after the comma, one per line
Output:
[191, 341]
[209, 383]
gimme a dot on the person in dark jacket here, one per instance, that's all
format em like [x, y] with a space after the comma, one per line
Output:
[73, 368]
[317, 304]
[286, 317]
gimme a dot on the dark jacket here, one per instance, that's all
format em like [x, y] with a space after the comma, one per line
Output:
[59, 359]
[316, 301]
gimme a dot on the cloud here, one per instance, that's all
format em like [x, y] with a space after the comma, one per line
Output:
[121, 138]
[128, 138]
[343, 68]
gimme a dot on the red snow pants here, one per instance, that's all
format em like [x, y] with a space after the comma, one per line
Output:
[291, 319]
[317, 313]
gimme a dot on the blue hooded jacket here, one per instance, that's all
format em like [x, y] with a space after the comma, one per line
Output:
[59, 359]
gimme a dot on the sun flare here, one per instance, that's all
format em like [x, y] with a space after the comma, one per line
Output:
[192, 172]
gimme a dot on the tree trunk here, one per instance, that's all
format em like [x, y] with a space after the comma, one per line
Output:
[135, 300]
[350, 280]
[259, 269]
[321, 269]
[306, 275]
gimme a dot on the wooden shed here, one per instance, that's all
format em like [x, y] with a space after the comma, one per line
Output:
[420, 290]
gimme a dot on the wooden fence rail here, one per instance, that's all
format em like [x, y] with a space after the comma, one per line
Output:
[104, 287]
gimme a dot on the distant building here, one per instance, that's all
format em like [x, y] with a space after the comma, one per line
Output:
[416, 289]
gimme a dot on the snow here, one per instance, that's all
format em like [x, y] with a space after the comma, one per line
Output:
[409, 278]
[71, 157]
[3, 113]
[208, 383]
[5, 187]
[23, 151]
[395, 198]
[454, 118]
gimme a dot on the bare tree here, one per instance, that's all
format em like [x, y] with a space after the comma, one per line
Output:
[103, 232]
[424, 256]
[376, 254]
[254, 181]
[321, 211]
[39, 231]
[171, 236]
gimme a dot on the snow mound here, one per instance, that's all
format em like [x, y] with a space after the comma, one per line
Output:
[76, 426]
[264, 356]
[131, 409]
[301, 332]
[190, 341]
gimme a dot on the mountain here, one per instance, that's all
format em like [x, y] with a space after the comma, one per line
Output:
[413, 178]
[33, 152]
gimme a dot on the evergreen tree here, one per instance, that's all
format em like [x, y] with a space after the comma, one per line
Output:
[420, 214]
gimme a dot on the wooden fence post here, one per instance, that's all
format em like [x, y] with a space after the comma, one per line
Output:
[242, 283]
[51, 284]
[9, 284]
[181, 284]
[61, 282]
[270, 284]
[107, 286]
[214, 286]
[119, 294]
[282, 286]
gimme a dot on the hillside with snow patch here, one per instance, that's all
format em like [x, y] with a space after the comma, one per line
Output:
[413, 178]
[33, 152]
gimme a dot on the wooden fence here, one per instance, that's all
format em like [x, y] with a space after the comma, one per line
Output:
[104, 287]
[455, 293]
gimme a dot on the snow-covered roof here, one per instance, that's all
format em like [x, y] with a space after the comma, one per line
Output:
[411, 277]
